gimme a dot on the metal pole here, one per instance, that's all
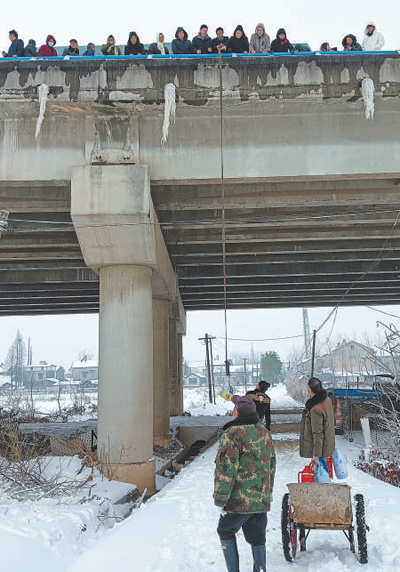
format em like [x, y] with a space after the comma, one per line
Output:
[313, 353]
[245, 374]
[212, 370]
[208, 370]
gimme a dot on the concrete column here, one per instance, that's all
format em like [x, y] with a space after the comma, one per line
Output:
[161, 428]
[113, 217]
[180, 374]
[174, 401]
[125, 444]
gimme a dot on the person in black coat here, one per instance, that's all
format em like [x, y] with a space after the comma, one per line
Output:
[220, 43]
[262, 401]
[202, 43]
[134, 47]
[72, 49]
[350, 44]
[158, 47]
[239, 43]
[281, 44]
[30, 49]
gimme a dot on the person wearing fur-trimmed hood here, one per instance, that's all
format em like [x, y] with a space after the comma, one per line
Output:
[350, 44]
[260, 42]
[373, 40]
[317, 428]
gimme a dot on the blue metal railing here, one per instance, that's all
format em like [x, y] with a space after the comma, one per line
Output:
[199, 56]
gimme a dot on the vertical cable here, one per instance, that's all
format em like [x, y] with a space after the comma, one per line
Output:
[223, 209]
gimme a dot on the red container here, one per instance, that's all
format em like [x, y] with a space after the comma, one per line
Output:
[330, 468]
[307, 474]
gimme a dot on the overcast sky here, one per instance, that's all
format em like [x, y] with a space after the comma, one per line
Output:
[60, 338]
[309, 21]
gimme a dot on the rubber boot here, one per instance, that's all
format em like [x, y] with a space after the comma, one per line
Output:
[260, 558]
[231, 555]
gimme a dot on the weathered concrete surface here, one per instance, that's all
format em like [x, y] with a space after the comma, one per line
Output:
[311, 187]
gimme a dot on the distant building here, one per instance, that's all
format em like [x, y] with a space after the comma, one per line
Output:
[42, 375]
[85, 371]
[194, 380]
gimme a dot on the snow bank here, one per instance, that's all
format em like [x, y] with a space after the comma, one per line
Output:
[176, 531]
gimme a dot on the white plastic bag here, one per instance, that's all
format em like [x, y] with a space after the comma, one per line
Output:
[340, 464]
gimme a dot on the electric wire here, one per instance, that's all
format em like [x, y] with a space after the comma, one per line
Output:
[204, 222]
[382, 312]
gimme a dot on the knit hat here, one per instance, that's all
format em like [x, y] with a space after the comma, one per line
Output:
[244, 404]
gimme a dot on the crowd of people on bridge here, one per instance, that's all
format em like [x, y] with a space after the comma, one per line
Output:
[202, 43]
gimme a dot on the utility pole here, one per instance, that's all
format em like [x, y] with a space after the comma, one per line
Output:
[206, 340]
[313, 353]
[306, 332]
[212, 369]
[245, 373]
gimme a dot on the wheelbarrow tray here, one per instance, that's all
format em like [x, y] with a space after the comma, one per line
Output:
[320, 505]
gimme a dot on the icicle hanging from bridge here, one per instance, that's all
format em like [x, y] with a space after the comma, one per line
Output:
[169, 110]
[367, 90]
[43, 93]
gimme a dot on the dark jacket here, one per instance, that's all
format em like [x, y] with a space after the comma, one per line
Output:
[317, 429]
[355, 47]
[279, 45]
[47, 51]
[238, 45]
[88, 53]
[181, 46]
[30, 49]
[244, 466]
[202, 44]
[16, 49]
[216, 42]
[71, 51]
[263, 405]
[155, 51]
[134, 49]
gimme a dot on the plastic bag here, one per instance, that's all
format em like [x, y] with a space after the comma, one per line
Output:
[340, 464]
[321, 472]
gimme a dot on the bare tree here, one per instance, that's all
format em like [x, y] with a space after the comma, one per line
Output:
[16, 360]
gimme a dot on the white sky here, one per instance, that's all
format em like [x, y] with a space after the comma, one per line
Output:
[309, 21]
[60, 338]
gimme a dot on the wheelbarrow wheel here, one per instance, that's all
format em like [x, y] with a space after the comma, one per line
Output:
[289, 531]
[361, 529]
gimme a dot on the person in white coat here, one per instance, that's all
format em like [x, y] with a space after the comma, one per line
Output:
[373, 40]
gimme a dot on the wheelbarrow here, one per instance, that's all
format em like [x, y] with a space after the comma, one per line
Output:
[312, 506]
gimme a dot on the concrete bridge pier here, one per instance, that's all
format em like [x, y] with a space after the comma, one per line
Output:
[161, 389]
[112, 214]
[175, 363]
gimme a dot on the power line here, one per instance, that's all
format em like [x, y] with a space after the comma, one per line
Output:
[383, 312]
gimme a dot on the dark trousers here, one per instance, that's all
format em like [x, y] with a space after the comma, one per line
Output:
[253, 526]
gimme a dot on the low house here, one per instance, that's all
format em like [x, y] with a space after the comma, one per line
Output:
[41, 375]
[85, 370]
[194, 380]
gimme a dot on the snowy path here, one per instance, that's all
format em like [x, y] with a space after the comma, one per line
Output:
[175, 531]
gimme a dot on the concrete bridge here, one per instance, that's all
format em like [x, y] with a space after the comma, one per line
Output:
[311, 206]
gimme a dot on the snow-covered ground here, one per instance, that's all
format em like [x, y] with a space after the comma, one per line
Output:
[175, 531]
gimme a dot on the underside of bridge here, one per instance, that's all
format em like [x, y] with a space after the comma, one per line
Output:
[312, 241]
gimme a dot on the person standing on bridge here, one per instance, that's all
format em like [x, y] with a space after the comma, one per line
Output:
[72, 49]
[262, 401]
[260, 42]
[373, 40]
[350, 44]
[220, 42]
[16, 49]
[48, 50]
[317, 429]
[109, 48]
[281, 44]
[159, 48]
[238, 43]
[134, 47]
[244, 479]
[202, 43]
[181, 44]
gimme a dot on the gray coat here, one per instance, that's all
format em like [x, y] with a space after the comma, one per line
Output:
[261, 45]
[317, 430]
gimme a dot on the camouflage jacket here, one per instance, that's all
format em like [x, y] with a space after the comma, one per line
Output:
[244, 466]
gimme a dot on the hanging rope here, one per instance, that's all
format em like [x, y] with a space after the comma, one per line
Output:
[223, 211]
